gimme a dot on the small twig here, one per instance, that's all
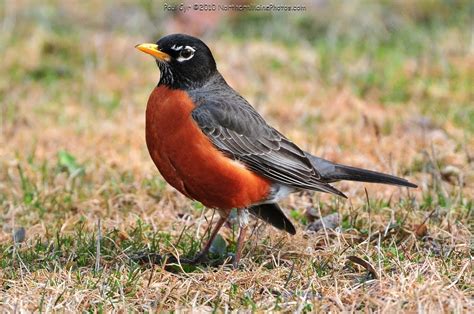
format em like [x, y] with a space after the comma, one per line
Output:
[425, 220]
[165, 297]
[437, 172]
[198, 228]
[59, 297]
[43, 293]
[469, 158]
[326, 262]
[97, 248]
[459, 275]
[152, 272]
[254, 230]
[356, 214]
[402, 240]
[207, 232]
[209, 227]
[386, 234]
[389, 224]
[289, 275]
[324, 225]
[303, 302]
[181, 235]
[370, 218]
[379, 257]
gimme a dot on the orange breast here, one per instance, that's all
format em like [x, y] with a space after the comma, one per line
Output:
[188, 160]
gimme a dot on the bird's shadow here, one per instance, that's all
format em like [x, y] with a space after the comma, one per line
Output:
[178, 264]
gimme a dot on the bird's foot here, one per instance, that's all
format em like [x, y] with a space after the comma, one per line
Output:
[200, 258]
[148, 258]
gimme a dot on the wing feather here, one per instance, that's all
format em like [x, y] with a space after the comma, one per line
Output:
[236, 129]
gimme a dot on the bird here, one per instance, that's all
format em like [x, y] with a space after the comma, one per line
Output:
[210, 144]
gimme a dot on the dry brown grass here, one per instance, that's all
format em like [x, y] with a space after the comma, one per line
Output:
[95, 112]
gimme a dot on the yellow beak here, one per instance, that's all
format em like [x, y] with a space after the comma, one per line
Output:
[153, 50]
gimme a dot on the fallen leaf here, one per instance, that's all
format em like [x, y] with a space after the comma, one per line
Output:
[420, 230]
[450, 173]
[365, 264]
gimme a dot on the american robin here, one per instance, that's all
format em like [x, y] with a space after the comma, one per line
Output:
[210, 144]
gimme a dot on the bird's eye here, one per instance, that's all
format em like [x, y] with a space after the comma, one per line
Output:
[186, 53]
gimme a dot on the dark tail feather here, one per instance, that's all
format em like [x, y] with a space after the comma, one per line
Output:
[272, 214]
[357, 174]
[332, 172]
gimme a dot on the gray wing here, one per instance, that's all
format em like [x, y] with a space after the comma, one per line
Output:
[236, 129]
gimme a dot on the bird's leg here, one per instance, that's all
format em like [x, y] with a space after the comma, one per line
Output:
[203, 253]
[243, 222]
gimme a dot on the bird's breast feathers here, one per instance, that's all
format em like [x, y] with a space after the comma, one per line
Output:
[189, 161]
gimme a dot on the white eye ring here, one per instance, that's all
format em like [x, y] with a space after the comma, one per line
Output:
[186, 54]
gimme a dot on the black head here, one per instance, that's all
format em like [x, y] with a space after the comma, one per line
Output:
[185, 62]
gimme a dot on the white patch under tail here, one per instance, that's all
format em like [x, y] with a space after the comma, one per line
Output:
[279, 192]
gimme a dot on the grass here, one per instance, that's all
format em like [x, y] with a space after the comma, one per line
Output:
[385, 86]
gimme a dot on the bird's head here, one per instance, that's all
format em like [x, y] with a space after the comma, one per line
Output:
[185, 62]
